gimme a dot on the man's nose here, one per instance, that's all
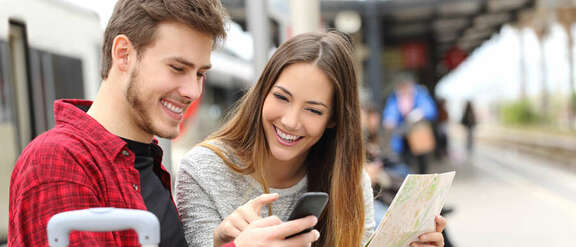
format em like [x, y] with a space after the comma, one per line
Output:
[192, 88]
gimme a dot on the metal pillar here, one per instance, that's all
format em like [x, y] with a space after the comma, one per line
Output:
[545, 99]
[305, 16]
[571, 99]
[374, 37]
[259, 27]
[521, 63]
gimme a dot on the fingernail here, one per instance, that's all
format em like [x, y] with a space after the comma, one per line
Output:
[316, 235]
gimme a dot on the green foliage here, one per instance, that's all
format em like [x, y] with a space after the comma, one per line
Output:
[518, 113]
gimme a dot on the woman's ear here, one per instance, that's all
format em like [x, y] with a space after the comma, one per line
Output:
[121, 50]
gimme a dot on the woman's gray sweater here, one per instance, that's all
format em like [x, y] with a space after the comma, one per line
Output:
[207, 191]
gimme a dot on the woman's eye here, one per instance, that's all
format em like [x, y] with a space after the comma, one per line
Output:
[280, 97]
[202, 74]
[317, 112]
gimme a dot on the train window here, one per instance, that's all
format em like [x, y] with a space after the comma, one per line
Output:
[68, 79]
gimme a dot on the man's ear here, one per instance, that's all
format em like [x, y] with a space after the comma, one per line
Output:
[121, 50]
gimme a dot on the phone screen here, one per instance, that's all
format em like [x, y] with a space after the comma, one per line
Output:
[309, 203]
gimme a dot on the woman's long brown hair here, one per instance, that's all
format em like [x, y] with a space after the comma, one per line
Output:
[334, 163]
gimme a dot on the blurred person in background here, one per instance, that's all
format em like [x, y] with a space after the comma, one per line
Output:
[296, 130]
[409, 105]
[386, 177]
[469, 122]
[441, 130]
[370, 122]
[384, 184]
[103, 153]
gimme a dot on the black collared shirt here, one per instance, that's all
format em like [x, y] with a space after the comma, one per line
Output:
[157, 197]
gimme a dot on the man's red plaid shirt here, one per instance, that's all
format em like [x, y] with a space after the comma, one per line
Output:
[76, 165]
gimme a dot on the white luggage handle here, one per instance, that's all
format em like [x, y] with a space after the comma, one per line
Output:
[104, 220]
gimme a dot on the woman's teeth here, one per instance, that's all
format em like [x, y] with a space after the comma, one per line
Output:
[286, 137]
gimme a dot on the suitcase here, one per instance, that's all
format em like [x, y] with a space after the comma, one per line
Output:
[145, 224]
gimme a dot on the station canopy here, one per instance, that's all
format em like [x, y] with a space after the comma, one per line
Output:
[440, 32]
[440, 24]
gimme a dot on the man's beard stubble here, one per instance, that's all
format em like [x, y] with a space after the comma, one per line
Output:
[143, 119]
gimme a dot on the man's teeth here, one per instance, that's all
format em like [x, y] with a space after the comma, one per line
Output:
[286, 137]
[172, 107]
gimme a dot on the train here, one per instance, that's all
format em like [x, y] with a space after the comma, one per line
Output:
[51, 49]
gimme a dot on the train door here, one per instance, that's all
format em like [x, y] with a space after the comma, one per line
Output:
[33, 80]
[15, 118]
[30, 80]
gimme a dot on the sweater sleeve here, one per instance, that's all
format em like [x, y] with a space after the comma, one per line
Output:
[195, 203]
[369, 223]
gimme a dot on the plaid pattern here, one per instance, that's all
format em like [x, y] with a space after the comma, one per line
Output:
[76, 165]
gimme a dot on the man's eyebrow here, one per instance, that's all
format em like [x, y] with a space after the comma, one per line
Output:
[190, 64]
[308, 102]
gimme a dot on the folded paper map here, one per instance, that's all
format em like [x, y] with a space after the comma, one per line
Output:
[412, 212]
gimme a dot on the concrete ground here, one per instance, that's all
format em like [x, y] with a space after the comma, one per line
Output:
[505, 198]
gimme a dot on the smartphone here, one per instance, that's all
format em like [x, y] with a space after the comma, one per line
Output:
[309, 203]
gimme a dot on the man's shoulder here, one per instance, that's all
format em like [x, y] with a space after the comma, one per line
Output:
[53, 155]
[55, 142]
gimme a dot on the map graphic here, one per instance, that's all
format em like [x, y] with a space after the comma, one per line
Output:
[412, 212]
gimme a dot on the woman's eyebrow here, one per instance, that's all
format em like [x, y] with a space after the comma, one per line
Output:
[317, 103]
[312, 102]
[284, 89]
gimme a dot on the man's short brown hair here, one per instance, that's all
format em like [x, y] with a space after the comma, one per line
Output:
[139, 19]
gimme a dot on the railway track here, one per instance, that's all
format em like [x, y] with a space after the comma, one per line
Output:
[558, 155]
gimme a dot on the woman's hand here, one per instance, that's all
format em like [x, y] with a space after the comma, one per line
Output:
[239, 220]
[272, 232]
[432, 239]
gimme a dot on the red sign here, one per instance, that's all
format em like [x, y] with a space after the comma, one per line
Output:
[454, 57]
[414, 55]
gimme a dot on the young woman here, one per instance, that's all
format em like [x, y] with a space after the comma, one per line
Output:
[297, 130]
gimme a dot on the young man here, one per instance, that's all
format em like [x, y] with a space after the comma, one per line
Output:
[103, 153]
